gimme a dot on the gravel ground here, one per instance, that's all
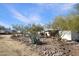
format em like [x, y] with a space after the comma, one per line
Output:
[50, 47]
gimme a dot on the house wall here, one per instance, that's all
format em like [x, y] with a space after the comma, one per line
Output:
[65, 35]
[69, 35]
[75, 36]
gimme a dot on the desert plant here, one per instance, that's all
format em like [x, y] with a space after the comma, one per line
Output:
[34, 38]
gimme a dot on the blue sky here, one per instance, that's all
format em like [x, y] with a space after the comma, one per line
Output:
[29, 13]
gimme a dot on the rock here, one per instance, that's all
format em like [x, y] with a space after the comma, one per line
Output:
[63, 48]
[58, 54]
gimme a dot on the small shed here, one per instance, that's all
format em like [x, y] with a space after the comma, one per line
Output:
[69, 35]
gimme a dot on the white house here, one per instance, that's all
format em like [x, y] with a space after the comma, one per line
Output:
[69, 35]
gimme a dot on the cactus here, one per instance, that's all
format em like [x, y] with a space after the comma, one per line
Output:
[34, 38]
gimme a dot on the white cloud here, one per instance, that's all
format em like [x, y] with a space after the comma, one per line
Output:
[32, 18]
[55, 9]
[19, 16]
[58, 6]
[33, 15]
[67, 7]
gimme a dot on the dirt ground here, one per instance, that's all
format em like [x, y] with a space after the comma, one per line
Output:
[75, 50]
[51, 47]
[9, 47]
